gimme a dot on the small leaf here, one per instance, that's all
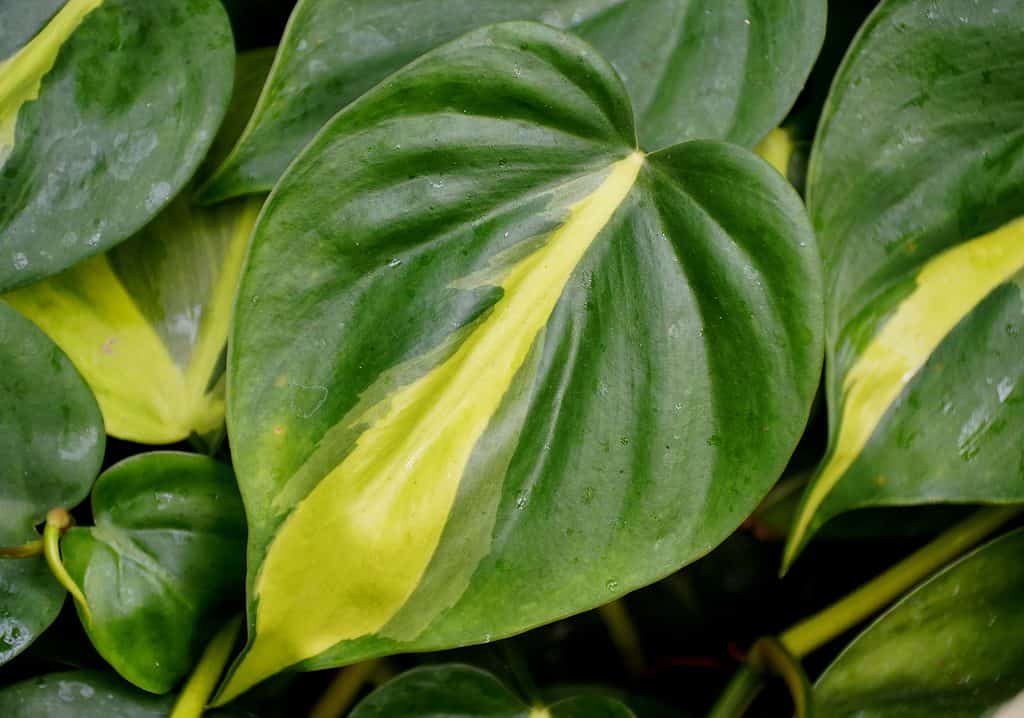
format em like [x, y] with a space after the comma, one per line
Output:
[51, 441]
[467, 692]
[916, 189]
[104, 116]
[695, 69]
[513, 365]
[952, 648]
[163, 566]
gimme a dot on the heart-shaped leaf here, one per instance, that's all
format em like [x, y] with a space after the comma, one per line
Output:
[952, 648]
[164, 565]
[51, 441]
[87, 694]
[916, 189]
[513, 366]
[104, 116]
[695, 69]
[147, 323]
[467, 692]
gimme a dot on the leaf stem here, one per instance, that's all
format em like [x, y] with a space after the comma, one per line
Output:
[344, 689]
[25, 550]
[197, 691]
[817, 630]
[624, 635]
[58, 521]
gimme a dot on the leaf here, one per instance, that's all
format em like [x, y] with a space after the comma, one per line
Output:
[86, 694]
[147, 322]
[51, 441]
[694, 68]
[952, 648]
[508, 362]
[916, 189]
[163, 567]
[467, 692]
[104, 116]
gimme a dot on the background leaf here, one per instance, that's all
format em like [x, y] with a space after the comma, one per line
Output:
[457, 690]
[694, 68]
[115, 129]
[916, 188]
[163, 567]
[952, 648]
[623, 323]
[87, 694]
[51, 441]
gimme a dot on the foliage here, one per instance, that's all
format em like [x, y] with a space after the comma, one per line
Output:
[496, 347]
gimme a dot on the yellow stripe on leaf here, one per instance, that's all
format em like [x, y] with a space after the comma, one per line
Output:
[144, 395]
[22, 74]
[371, 526]
[948, 288]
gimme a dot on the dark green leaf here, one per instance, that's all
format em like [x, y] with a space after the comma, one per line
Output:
[51, 444]
[952, 648]
[87, 694]
[916, 189]
[512, 365]
[457, 690]
[694, 68]
[93, 148]
[163, 567]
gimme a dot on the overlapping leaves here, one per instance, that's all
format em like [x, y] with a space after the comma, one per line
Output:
[695, 69]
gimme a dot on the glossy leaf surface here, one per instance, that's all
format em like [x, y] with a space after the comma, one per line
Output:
[104, 116]
[507, 361]
[916, 190]
[51, 441]
[467, 692]
[87, 694]
[163, 567]
[952, 648]
[695, 69]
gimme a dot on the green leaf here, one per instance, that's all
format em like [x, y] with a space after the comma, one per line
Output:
[86, 694]
[511, 364]
[104, 116]
[916, 189]
[467, 692]
[164, 565]
[147, 323]
[51, 441]
[952, 648]
[696, 69]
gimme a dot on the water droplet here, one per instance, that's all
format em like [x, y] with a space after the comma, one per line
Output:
[612, 585]
[396, 262]
[521, 501]
[20, 261]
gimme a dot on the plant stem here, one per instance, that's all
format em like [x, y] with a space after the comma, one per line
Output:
[819, 629]
[624, 636]
[25, 550]
[199, 687]
[343, 689]
[769, 656]
[58, 521]
[822, 627]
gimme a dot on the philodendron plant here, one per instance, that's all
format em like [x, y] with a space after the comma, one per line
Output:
[459, 320]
